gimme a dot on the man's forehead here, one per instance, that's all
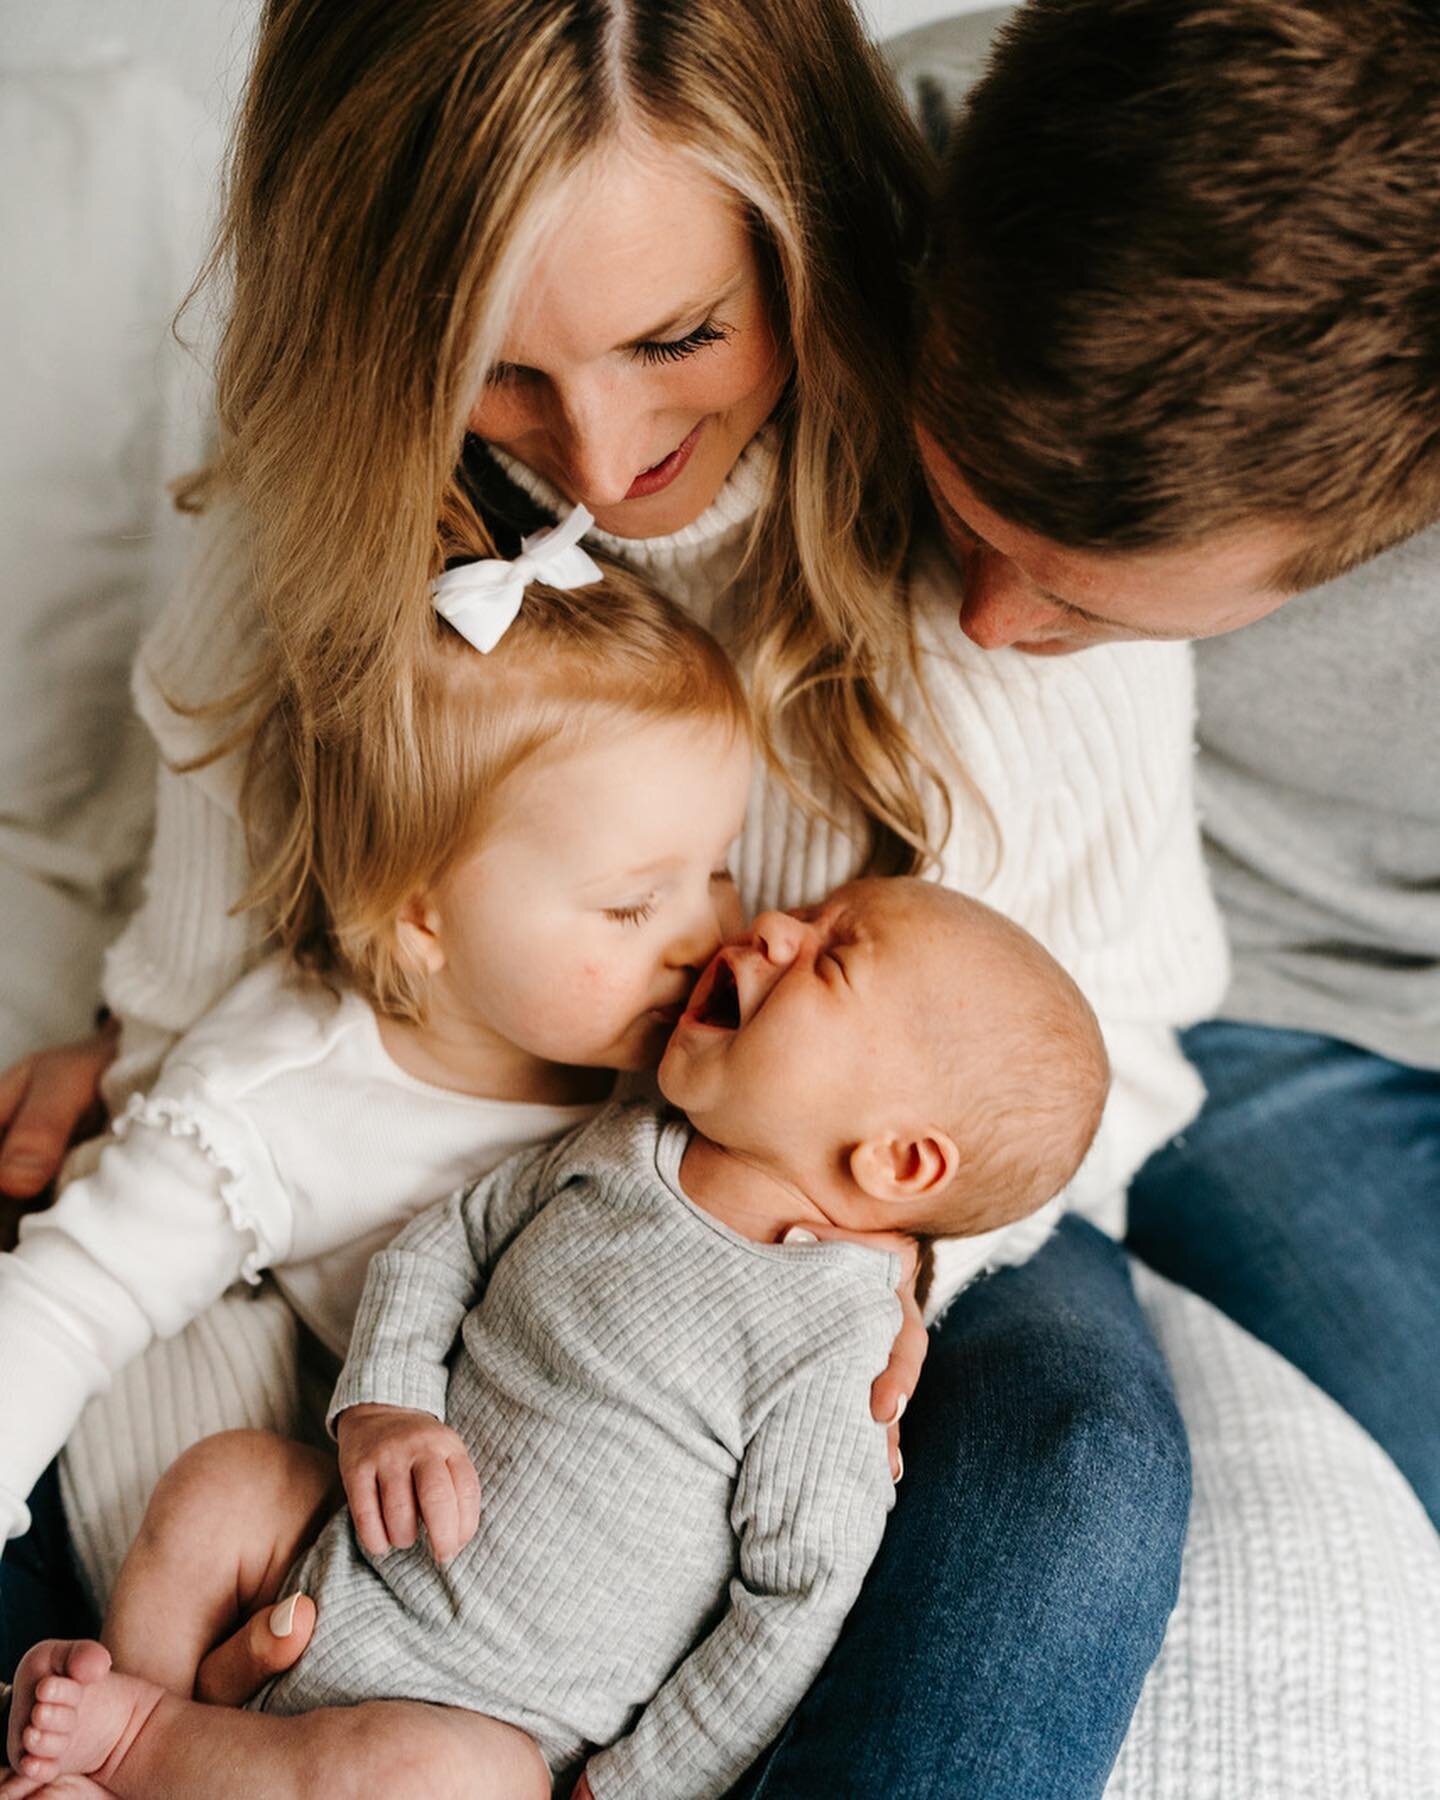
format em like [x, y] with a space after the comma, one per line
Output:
[1172, 591]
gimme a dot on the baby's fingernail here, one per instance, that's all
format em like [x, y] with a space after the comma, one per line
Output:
[282, 1619]
[897, 1411]
[797, 1234]
[899, 1469]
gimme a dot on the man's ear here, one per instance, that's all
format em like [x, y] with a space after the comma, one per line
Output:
[904, 1165]
[417, 935]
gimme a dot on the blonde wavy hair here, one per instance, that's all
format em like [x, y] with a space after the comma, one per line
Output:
[392, 167]
[388, 814]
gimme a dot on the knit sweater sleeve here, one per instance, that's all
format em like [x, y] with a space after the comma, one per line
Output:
[186, 945]
[178, 1207]
[420, 1287]
[810, 1506]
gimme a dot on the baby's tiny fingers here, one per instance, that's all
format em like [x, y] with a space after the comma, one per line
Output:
[467, 1495]
[439, 1507]
[364, 1496]
[397, 1504]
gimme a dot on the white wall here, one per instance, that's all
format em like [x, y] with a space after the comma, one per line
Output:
[204, 43]
[888, 17]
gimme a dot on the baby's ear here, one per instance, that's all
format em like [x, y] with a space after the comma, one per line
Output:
[904, 1165]
[417, 936]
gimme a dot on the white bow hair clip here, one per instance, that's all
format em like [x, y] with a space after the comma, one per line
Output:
[481, 599]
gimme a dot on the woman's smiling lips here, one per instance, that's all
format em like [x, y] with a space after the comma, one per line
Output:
[651, 481]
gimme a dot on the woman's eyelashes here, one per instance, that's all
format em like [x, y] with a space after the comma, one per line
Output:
[656, 350]
[667, 350]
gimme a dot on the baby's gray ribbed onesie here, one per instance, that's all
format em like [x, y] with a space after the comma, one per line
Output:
[681, 1484]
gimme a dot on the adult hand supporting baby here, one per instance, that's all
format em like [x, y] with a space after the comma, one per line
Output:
[393, 1461]
[891, 1390]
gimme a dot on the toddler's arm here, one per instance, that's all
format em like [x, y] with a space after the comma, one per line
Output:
[810, 1507]
[132, 1252]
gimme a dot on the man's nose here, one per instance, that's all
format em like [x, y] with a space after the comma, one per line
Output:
[999, 607]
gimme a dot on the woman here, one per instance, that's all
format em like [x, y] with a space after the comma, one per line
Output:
[655, 260]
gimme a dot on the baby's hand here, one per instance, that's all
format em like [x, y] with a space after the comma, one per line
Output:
[393, 1460]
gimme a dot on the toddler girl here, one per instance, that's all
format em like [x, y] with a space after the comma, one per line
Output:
[503, 905]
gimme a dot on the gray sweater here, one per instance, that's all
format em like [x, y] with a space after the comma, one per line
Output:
[681, 1484]
[1320, 790]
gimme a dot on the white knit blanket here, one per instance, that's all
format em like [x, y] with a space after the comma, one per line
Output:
[1303, 1659]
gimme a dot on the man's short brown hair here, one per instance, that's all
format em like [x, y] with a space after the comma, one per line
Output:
[1186, 275]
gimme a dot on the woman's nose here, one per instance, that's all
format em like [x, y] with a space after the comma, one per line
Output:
[999, 607]
[601, 445]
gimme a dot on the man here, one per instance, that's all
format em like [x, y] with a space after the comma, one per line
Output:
[1183, 366]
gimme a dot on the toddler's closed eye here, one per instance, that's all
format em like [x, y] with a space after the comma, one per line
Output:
[634, 914]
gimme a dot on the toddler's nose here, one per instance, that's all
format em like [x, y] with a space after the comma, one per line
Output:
[702, 936]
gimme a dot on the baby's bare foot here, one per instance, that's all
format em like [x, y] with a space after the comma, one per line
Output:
[268, 1643]
[70, 1714]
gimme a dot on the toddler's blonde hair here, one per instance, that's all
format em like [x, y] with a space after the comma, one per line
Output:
[387, 812]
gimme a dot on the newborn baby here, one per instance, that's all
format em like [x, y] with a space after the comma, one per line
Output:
[667, 1330]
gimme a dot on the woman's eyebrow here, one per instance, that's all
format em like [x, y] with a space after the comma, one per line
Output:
[705, 303]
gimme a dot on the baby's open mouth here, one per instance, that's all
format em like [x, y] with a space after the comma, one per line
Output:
[716, 1001]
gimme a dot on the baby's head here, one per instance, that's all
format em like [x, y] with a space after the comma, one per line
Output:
[539, 851]
[904, 1056]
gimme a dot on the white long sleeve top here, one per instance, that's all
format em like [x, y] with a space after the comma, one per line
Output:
[279, 1135]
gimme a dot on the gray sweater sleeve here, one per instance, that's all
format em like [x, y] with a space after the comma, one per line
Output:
[420, 1287]
[810, 1505]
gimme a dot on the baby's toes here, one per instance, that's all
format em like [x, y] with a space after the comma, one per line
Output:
[51, 1717]
[57, 1690]
[46, 1745]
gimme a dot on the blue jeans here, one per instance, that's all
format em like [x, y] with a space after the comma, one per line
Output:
[40, 1593]
[1305, 1203]
[1025, 1579]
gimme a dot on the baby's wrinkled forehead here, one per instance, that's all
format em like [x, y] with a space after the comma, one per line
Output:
[906, 921]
